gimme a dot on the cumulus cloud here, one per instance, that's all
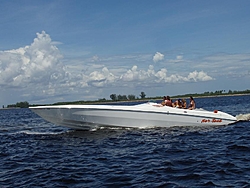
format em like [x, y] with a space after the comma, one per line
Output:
[179, 58]
[161, 76]
[139, 76]
[37, 63]
[130, 75]
[158, 57]
[101, 78]
[38, 69]
[41, 62]
[198, 76]
[95, 58]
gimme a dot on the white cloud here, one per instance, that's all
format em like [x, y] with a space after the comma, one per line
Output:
[95, 58]
[198, 76]
[158, 57]
[101, 78]
[179, 58]
[130, 75]
[39, 72]
[37, 63]
[225, 65]
[161, 76]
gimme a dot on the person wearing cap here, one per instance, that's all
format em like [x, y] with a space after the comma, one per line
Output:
[178, 103]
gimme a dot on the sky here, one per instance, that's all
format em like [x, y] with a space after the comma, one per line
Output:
[63, 50]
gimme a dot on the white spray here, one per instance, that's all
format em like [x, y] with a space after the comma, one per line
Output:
[243, 117]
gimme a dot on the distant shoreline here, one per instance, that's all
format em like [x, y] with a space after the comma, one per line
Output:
[9, 108]
[186, 96]
[174, 97]
[222, 95]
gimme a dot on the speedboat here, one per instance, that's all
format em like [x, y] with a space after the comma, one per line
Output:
[131, 116]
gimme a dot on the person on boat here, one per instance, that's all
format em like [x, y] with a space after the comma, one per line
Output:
[178, 103]
[163, 103]
[168, 102]
[191, 104]
[174, 103]
[184, 103]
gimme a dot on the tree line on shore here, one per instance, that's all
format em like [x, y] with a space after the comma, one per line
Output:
[120, 97]
[131, 97]
[24, 104]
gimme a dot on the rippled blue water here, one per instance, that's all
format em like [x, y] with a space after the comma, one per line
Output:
[35, 153]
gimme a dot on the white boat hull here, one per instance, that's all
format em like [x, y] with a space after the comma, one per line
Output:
[137, 116]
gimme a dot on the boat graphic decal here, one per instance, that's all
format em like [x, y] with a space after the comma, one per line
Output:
[213, 120]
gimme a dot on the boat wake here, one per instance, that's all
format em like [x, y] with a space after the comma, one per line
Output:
[243, 117]
[40, 133]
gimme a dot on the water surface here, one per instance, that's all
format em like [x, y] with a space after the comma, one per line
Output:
[35, 153]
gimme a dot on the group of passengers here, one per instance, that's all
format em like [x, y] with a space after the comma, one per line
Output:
[179, 103]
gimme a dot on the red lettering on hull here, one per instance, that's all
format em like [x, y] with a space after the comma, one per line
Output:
[213, 120]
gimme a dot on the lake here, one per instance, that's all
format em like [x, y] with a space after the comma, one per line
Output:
[35, 153]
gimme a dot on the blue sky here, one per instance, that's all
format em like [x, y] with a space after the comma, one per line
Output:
[64, 50]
